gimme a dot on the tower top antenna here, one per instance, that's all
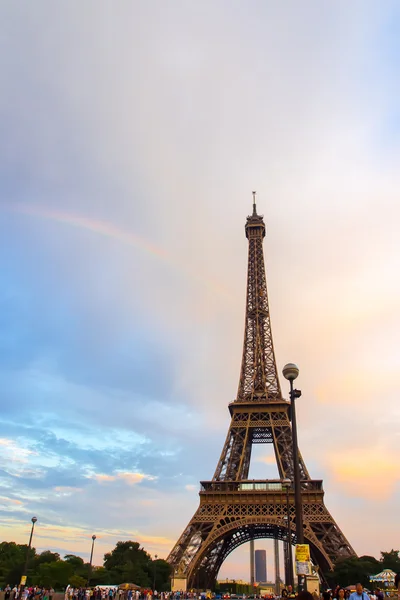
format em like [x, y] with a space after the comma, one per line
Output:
[254, 203]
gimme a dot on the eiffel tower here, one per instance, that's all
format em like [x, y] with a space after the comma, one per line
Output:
[233, 509]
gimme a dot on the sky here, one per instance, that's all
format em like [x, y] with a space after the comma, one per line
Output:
[132, 136]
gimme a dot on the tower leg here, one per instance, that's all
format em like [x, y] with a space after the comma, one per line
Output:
[277, 569]
[252, 574]
[286, 551]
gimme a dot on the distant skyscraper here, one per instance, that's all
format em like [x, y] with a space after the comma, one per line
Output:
[261, 565]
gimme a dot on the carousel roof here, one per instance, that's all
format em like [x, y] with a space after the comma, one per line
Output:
[385, 575]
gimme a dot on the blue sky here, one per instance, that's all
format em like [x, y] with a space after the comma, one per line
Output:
[132, 137]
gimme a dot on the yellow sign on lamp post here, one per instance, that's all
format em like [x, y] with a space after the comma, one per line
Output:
[303, 559]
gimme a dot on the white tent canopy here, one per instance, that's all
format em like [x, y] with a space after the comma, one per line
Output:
[387, 575]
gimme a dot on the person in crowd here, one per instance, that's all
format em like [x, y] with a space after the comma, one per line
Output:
[288, 593]
[359, 594]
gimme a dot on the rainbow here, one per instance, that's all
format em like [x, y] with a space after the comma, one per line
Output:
[110, 230]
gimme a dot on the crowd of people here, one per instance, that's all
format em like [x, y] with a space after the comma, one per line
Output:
[115, 593]
[340, 593]
[28, 593]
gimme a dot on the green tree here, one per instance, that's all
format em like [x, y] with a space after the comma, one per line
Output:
[373, 561]
[54, 574]
[391, 560]
[130, 563]
[46, 557]
[79, 566]
[370, 565]
[75, 561]
[353, 570]
[76, 581]
[127, 562]
[12, 561]
[162, 571]
[101, 576]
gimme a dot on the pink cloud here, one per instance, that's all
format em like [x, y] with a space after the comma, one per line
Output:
[269, 460]
[131, 478]
[103, 478]
[361, 470]
[5, 500]
[14, 453]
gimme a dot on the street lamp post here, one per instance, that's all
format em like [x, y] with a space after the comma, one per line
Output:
[91, 559]
[290, 372]
[287, 484]
[25, 573]
[154, 574]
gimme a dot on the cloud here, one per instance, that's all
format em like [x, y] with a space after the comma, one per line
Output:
[4, 500]
[103, 478]
[67, 490]
[362, 471]
[269, 460]
[129, 478]
[148, 502]
[14, 453]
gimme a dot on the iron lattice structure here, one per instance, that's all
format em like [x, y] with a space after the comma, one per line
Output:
[233, 509]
